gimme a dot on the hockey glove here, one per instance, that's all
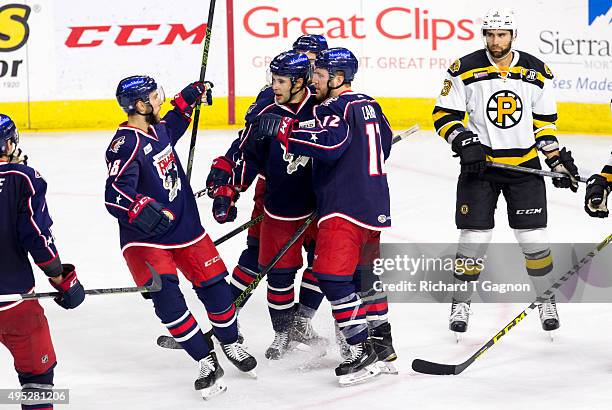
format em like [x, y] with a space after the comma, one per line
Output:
[564, 163]
[224, 209]
[276, 126]
[149, 216]
[220, 174]
[471, 152]
[186, 99]
[596, 198]
[71, 291]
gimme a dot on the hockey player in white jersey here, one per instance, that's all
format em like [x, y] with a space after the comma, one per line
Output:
[507, 95]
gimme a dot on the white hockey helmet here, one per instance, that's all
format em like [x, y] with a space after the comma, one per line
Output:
[502, 19]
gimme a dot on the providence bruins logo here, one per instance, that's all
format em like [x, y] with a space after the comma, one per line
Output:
[505, 109]
[446, 88]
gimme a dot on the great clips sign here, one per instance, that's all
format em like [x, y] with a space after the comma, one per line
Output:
[398, 23]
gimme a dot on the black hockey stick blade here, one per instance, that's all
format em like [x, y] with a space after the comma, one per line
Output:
[156, 283]
[423, 366]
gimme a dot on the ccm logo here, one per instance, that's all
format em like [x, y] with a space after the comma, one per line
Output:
[472, 140]
[532, 211]
[133, 35]
[211, 261]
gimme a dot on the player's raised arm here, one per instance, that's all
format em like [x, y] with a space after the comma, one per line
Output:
[178, 119]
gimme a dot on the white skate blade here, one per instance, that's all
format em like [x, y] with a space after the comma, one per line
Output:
[458, 337]
[551, 335]
[252, 374]
[216, 389]
[314, 350]
[387, 367]
[362, 376]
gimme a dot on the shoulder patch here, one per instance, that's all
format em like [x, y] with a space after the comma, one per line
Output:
[116, 144]
[446, 87]
[455, 66]
[547, 70]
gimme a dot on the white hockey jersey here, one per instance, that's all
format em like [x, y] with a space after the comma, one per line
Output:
[512, 110]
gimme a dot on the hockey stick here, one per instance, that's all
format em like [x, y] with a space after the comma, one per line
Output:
[241, 228]
[526, 170]
[168, 342]
[424, 366]
[196, 118]
[155, 286]
[396, 138]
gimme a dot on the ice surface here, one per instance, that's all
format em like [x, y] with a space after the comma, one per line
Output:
[106, 349]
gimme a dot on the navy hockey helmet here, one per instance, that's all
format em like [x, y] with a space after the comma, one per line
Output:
[291, 64]
[132, 89]
[8, 132]
[315, 43]
[338, 59]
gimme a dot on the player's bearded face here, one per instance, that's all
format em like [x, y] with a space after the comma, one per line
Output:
[156, 99]
[320, 79]
[499, 42]
[282, 88]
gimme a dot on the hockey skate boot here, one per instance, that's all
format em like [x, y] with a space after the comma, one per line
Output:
[548, 314]
[279, 346]
[210, 381]
[383, 346]
[345, 350]
[360, 366]
[302, 332]
[237, 354]
[459, 317]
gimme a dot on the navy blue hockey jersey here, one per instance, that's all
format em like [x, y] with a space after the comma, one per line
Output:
[25, 227]
[289, 191]
[146, 163]
[349, 146]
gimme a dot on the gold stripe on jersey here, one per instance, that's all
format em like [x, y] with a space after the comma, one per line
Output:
[528, 75]
[445, 121]
[518, 160]
[606, 172]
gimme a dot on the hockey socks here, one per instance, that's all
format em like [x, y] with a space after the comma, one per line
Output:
[245, 272]
[217, 298]
[172, 310]
[347, 309]
[281, 297]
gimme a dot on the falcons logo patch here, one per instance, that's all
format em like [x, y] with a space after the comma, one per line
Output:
[116, 144]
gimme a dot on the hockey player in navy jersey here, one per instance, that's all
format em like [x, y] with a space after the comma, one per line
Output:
[288, 198]
[597, 192]
[148, 192]
[244, 273]
[25, 228]
[349, 145]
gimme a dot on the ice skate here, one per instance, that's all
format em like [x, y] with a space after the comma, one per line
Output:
[237, 354]
[383, 346]
[459, 317]
[360, 366]
[279, 346]
[210, 381]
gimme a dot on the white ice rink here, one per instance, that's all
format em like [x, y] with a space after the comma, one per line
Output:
[106, 348]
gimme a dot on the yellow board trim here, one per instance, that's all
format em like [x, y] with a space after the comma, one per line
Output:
[575, 118]
[539, 263]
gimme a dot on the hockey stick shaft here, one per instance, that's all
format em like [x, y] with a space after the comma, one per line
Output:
[424, 366]
[196, 118]
[534, 171]
[241, 228]
[154, 287]
[396, 138]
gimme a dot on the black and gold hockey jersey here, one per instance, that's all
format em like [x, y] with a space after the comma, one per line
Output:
[512, 110]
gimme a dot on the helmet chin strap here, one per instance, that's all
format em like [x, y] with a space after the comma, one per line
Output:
[329, 86]
[293, 94]
[149, 117]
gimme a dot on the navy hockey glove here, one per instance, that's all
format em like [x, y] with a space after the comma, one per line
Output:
[564, 163]
[473, 158]
[149, 216]
[276, 126]
[596, 198]
[71, 291]
[220, 174]
[186, 99]
[224, 209]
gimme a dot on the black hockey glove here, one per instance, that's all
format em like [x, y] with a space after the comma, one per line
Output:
[564, 163]
[596, 198]
[71, 291]
[224, 209]
[276, 127]
[220, 174]
[471, 152]
[149, 216]
[185, 100]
